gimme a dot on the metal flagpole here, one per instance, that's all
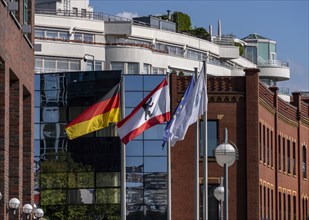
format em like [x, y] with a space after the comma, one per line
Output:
[205, 148]
[169, 176]
[169, 182]
[196, 167]
[123, 158]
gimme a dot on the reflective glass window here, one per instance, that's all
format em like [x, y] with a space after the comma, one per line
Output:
[37, 83]
[155, 198]
[154, 148]
[37, 131]
[108, 179]
[156, 132]
[155, 164]
[132, 99]
[134, 164]
[53, 180]
[36, 148]
[212, 135]
[133, 83]
[81, 196]
[53, 197]
[134, 148]
[152, 82]
[81, 180]
[37, 115]
[108, 196]
[134, 197]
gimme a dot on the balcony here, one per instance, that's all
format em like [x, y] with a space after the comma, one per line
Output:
[274, 69]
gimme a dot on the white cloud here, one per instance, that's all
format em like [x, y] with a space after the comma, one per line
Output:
[127, 14]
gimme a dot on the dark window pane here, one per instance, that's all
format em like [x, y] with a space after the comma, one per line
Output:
[81, 196]
[108, 179]
[81, 180]
[108, 196]
[53, 180]
[53, 197]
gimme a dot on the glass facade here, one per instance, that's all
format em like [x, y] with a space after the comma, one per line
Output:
[78, 178]
[146, 161]
[81, 177]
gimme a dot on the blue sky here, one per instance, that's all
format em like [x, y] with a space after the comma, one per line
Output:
[286, 22]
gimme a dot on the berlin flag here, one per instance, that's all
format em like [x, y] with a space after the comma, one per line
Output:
[153, 110]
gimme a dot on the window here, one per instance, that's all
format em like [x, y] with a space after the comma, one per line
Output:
[264, 193]
[284, 206]
[212, 135]
[213, 203]
[280, 206]
[268, 203]
[268, 147]
[75, 11]
[117, 66]
[264, 144]
[147, 68]
[293, 160]
[279, 152]
[26, 12]
[51, 34]
[46, 64]
[261, 200]
[84, 12]
[261, 145]
[83, 37]
[283, 152]
[271, 149]
[133, 68]
[288, 155]
[157, 70]
[304, 162]
[289, 207]
[294, 207]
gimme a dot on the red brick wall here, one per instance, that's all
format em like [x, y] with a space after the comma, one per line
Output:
[16, 109]
[240, 104]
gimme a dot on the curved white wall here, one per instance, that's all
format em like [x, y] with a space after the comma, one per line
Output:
[280, 73]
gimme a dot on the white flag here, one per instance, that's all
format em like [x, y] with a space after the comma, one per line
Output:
[195, 106]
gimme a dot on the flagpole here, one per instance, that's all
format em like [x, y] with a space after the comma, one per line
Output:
[169, 174]
[123, 158]
[169, 182]
[205, 162]
[196, 167]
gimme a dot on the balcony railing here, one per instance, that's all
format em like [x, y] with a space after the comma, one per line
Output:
[275, 63]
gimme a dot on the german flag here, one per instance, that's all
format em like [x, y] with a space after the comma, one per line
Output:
[97, 116]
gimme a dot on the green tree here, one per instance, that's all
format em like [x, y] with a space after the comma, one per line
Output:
[182, 20]
[199, 32]
[241, 48]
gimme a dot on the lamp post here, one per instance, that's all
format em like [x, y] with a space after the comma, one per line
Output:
[14, 204]
[219, 195]
[226, 155]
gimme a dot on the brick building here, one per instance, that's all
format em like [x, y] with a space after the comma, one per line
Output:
[269, 180]
[16, 108]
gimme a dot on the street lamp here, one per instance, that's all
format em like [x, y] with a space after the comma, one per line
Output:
[14, 204]
[27, 209]
[226, 154]
[38, 213]
[219, 195]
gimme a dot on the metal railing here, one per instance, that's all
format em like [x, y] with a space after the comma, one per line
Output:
[279, 63]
